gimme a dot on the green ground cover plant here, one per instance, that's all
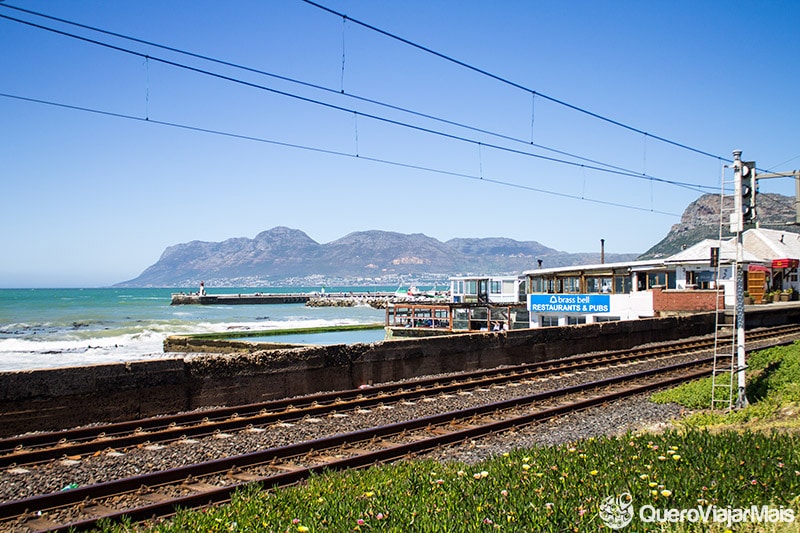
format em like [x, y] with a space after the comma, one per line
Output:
[549, 489]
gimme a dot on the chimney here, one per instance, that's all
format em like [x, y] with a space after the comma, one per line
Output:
[602, 251]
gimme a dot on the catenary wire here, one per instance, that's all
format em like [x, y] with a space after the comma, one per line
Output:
[622, 171]
[328, 152]
[514, 84]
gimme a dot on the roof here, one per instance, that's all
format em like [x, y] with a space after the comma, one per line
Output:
[508, 277]
[701, 253]
[599, 267]
[772, 244]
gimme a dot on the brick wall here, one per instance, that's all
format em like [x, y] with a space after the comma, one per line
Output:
[667, 302]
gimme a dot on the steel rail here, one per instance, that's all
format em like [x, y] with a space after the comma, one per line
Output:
[81, 441]
[56, 500]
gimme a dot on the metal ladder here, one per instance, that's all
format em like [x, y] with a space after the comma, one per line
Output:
[722, 385]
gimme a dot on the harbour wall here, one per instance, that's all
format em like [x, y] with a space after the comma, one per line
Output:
[40, 400]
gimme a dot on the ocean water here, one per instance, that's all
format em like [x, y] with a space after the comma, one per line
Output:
[49, 328]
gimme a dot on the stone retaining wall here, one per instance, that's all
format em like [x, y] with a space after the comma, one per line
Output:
[53, 399]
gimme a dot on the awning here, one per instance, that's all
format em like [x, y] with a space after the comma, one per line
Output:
[757, 268]
[785, 263]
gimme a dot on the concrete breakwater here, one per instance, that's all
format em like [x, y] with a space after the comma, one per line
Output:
[241, 372]
[337, 299]
[237, 299]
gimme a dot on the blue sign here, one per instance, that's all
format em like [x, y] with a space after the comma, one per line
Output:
[569, 303]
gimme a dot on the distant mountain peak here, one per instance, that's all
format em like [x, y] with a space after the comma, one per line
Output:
[701, 220]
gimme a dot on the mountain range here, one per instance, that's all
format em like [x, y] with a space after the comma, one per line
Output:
[284, 256]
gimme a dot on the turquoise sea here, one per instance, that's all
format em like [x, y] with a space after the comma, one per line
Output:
[46, 328]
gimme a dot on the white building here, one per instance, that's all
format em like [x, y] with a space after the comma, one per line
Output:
[693, 269]
[487, 289]
[582, 294]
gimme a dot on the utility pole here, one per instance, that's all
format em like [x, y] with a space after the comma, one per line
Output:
[738, 219]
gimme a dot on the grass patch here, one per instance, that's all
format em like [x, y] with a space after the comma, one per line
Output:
[773, 390]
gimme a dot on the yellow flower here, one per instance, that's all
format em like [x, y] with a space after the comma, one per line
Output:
[593, 472]
[662, 458]
[369, 494]
[526, 466]
[302, 529]
[652, 484]
[666, 493]
[654, 492]
[676, 457]
[644, 476]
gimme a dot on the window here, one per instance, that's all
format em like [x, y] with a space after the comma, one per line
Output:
[460, 318]
[602, 285]
[606, 318]
[520, 319]
[662, 279]
[705, 280]
[547, 320]
[575, 320]
[471, 287]
[571, 284]
[538, 285]
[622, 284]
[496, 287]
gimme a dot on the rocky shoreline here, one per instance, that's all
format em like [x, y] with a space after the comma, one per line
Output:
[350, 301]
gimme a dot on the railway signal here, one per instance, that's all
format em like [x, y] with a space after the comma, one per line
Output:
[749, 191]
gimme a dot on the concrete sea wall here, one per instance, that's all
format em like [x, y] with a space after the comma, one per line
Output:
[242, 373]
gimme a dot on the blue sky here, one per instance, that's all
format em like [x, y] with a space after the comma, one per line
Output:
[91, 199]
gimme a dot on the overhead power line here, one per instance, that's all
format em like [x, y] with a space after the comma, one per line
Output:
[197, 129]
[512, 83]
[623, 171]
[605, 168]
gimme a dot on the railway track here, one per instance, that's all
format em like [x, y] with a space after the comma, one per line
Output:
[160, 493]
[38, 447]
